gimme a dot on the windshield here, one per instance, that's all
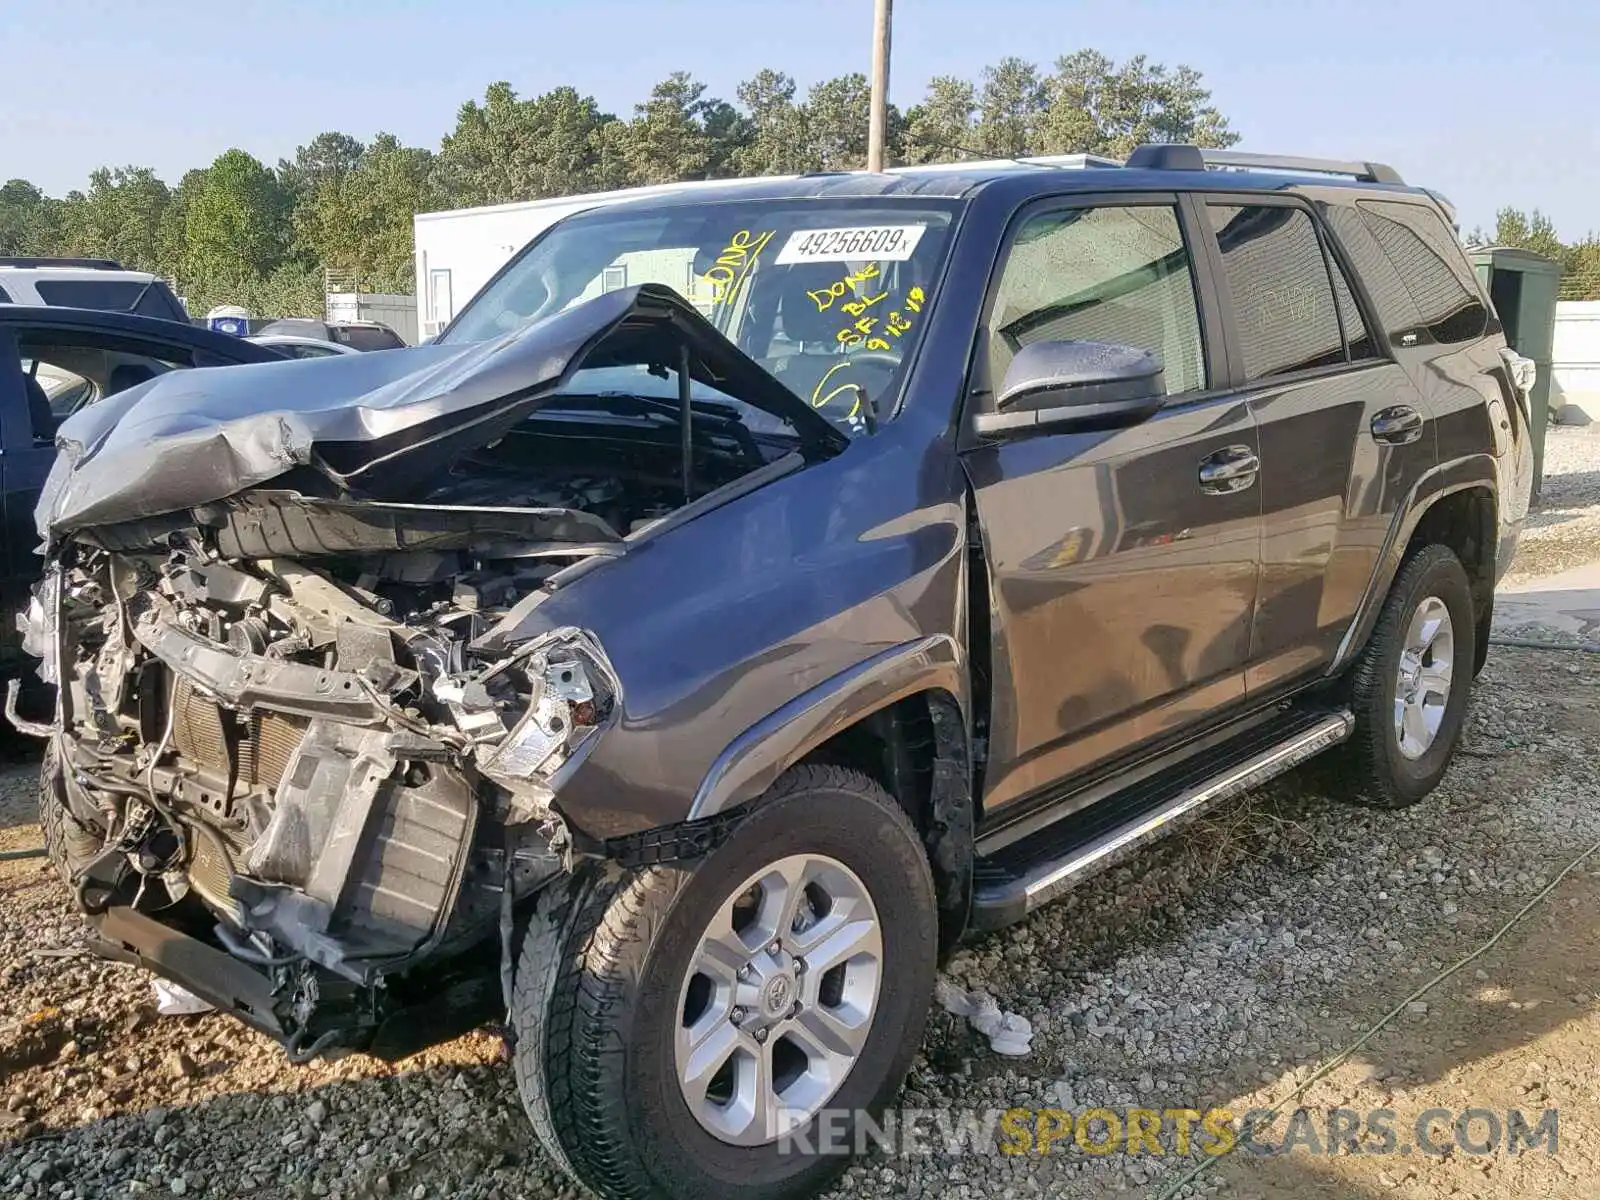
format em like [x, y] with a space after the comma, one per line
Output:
[828, 296]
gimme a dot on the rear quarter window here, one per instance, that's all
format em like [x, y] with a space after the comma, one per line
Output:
[1426, 256]
[159, 301]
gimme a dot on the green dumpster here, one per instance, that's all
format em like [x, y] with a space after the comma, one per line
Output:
[1524, 287]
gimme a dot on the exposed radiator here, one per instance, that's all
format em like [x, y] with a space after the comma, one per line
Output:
[201, 731]
[209, 872]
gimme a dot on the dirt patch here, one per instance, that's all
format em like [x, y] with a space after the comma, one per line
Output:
[1517, 1031]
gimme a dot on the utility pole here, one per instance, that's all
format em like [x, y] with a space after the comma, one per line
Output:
[878, 125]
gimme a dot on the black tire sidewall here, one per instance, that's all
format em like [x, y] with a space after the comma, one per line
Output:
[682, 1156]
[53, 810]
[1436, 573]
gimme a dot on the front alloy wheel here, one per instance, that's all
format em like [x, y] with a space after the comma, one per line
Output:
[779, 999]
[684, 1032]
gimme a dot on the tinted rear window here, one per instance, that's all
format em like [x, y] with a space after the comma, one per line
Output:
[363, 338]
[1427, 257]
[112, 295]
[152, 299]
[1282, 297]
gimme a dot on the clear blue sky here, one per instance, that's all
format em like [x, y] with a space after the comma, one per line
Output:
[1491, 103]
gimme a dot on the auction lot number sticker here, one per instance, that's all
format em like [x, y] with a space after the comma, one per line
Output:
[880, 243]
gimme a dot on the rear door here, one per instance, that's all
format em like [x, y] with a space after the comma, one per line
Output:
[1122, 563]
[1344, 433]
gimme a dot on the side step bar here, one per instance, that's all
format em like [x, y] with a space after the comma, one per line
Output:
[1003, 896]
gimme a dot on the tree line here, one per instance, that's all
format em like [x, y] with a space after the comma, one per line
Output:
[1580, 260]
[239, 231]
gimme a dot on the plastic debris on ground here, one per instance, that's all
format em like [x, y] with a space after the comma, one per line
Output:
[1008, 1033]
[174, 1001]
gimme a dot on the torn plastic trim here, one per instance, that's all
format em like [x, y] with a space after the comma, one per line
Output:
[271, 523]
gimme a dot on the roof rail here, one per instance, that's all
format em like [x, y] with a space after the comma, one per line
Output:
[1162, 156]
[1361, 172]
[1178, 156]
[98, 264]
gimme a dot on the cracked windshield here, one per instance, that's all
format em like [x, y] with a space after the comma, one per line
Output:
[830, 299]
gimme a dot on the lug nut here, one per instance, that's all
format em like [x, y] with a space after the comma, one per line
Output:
[799, 966]
[737, 1016]
[776, 947]
[795, 1011]
[746, 971]
[761, 1035]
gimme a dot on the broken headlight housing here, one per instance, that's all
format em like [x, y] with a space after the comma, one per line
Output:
[37, 624]
[565, 693]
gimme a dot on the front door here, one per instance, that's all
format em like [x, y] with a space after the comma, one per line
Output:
[1122, 564]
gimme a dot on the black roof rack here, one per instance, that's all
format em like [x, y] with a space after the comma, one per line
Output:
[97, 264]
[1192, 158]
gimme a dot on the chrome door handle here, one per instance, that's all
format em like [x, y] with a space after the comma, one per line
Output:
[1231, 469]
[1397, 426]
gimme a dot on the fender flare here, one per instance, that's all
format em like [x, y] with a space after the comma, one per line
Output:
[753, 760]
[1446, 479]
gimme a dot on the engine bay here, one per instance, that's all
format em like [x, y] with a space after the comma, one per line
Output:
[310, 760]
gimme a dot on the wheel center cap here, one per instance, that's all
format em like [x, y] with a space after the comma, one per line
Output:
[777, 995]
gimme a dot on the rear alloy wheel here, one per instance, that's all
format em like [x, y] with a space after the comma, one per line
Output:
[1409, 688]
[1424, 678]
[685, 1032]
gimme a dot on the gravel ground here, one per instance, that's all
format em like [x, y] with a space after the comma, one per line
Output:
[1564, 531]
[1217, 968]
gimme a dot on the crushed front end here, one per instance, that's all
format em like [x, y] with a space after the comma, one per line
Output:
[298, 786]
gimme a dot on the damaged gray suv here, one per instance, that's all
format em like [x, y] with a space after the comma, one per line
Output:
[753, 593]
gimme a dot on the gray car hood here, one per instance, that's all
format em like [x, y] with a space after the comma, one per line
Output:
[372, 423]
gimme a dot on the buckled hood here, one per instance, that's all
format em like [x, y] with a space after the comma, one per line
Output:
[369, 423]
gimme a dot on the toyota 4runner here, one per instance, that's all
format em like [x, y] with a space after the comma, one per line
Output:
[750, 595]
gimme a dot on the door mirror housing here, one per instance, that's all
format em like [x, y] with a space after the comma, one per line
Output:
[1075, 385]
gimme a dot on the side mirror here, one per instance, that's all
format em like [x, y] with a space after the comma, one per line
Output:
[1075, 385]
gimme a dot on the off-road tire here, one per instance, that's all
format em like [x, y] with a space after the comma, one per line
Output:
[596, 997]
[53, 810]
[68, 842]
[1369, 768]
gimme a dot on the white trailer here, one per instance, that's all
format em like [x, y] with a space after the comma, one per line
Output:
[458, 251]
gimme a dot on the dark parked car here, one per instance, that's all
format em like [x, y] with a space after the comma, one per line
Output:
[54, 361]
[351, 335]
[752, 593]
